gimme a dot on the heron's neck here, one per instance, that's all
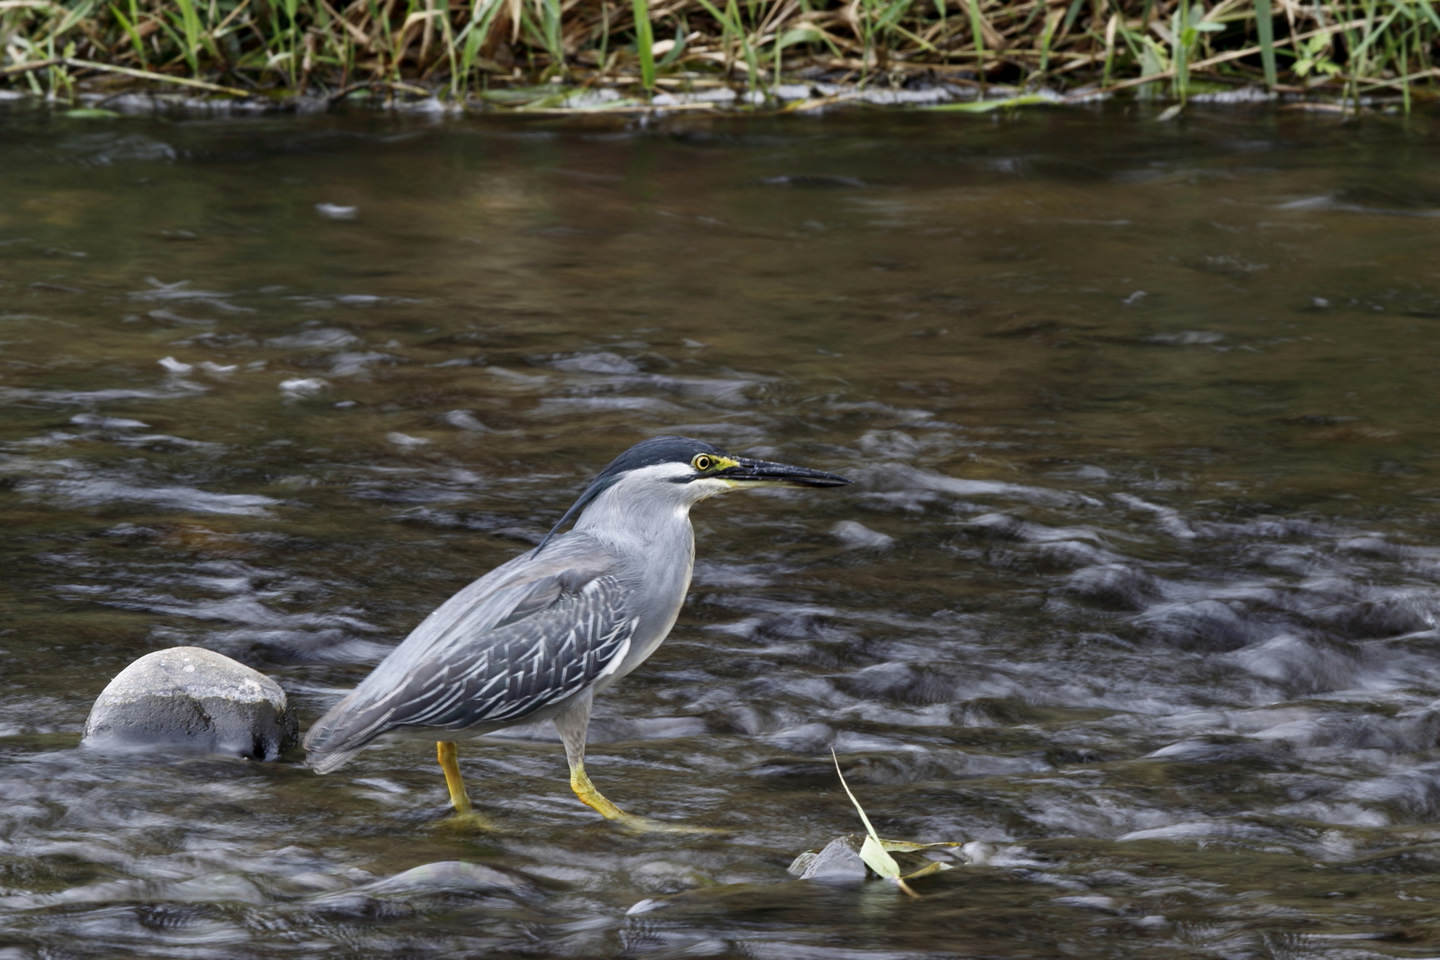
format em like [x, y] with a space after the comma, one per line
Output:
[622, 516]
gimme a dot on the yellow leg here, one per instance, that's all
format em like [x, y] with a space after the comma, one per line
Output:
[592, 798]
[445, 753]
[572, 722]
[464, 817]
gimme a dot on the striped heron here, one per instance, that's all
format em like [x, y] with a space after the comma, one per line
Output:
[541, 634]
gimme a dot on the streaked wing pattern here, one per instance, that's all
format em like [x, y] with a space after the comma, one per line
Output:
[524, 665]
[531, 663]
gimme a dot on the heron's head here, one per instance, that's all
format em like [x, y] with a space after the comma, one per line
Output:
[682, 471]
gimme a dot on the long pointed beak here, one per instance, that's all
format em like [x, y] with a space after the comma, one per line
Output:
[747, 472]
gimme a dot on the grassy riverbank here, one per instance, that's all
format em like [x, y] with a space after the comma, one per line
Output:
[1350, 49]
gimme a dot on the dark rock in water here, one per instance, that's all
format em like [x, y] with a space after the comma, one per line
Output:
[1203, 625]
[192, 699]
[1300, 666]
[1116, 586]
[904, 683]
[838, 862]
[1383, 616]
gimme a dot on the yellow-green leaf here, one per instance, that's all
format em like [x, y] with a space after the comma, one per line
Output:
[910, 846]
[872, 851]
[934, 866]
[875, 857]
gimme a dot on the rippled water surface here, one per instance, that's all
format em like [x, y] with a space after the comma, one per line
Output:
[1135, 592]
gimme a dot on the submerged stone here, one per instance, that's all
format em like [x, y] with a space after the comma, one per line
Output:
[856, 535]
[452, 876]
[192, 699]
[1116, 586]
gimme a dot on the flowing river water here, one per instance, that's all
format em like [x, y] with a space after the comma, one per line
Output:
[1135, 592]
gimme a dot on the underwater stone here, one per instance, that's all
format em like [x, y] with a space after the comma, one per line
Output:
[452, 876]
[857, 535]
[192, 699]
[1116, 586]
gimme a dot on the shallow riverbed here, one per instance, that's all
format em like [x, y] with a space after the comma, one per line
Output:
[1136, 586]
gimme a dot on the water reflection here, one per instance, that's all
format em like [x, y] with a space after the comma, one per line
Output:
[1136, 586]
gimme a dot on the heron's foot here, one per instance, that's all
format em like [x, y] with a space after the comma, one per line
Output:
[595, 800]
[470, 821]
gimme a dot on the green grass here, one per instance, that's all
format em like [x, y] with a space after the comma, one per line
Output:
[644, 44]
[1354, 50]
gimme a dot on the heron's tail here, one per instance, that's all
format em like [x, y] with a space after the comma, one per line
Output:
[330, 742]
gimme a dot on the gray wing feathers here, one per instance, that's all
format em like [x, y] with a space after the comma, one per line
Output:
[527, 635]
[527, 664]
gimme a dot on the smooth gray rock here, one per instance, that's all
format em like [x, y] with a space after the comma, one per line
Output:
[838, 862]
[192, 699]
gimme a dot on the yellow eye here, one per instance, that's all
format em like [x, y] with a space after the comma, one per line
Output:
[702, 462]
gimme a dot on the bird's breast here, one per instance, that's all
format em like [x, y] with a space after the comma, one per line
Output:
[661, 587]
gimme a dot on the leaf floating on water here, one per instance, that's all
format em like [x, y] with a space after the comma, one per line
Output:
[873, 851]
[911, 846]
[934, 866]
